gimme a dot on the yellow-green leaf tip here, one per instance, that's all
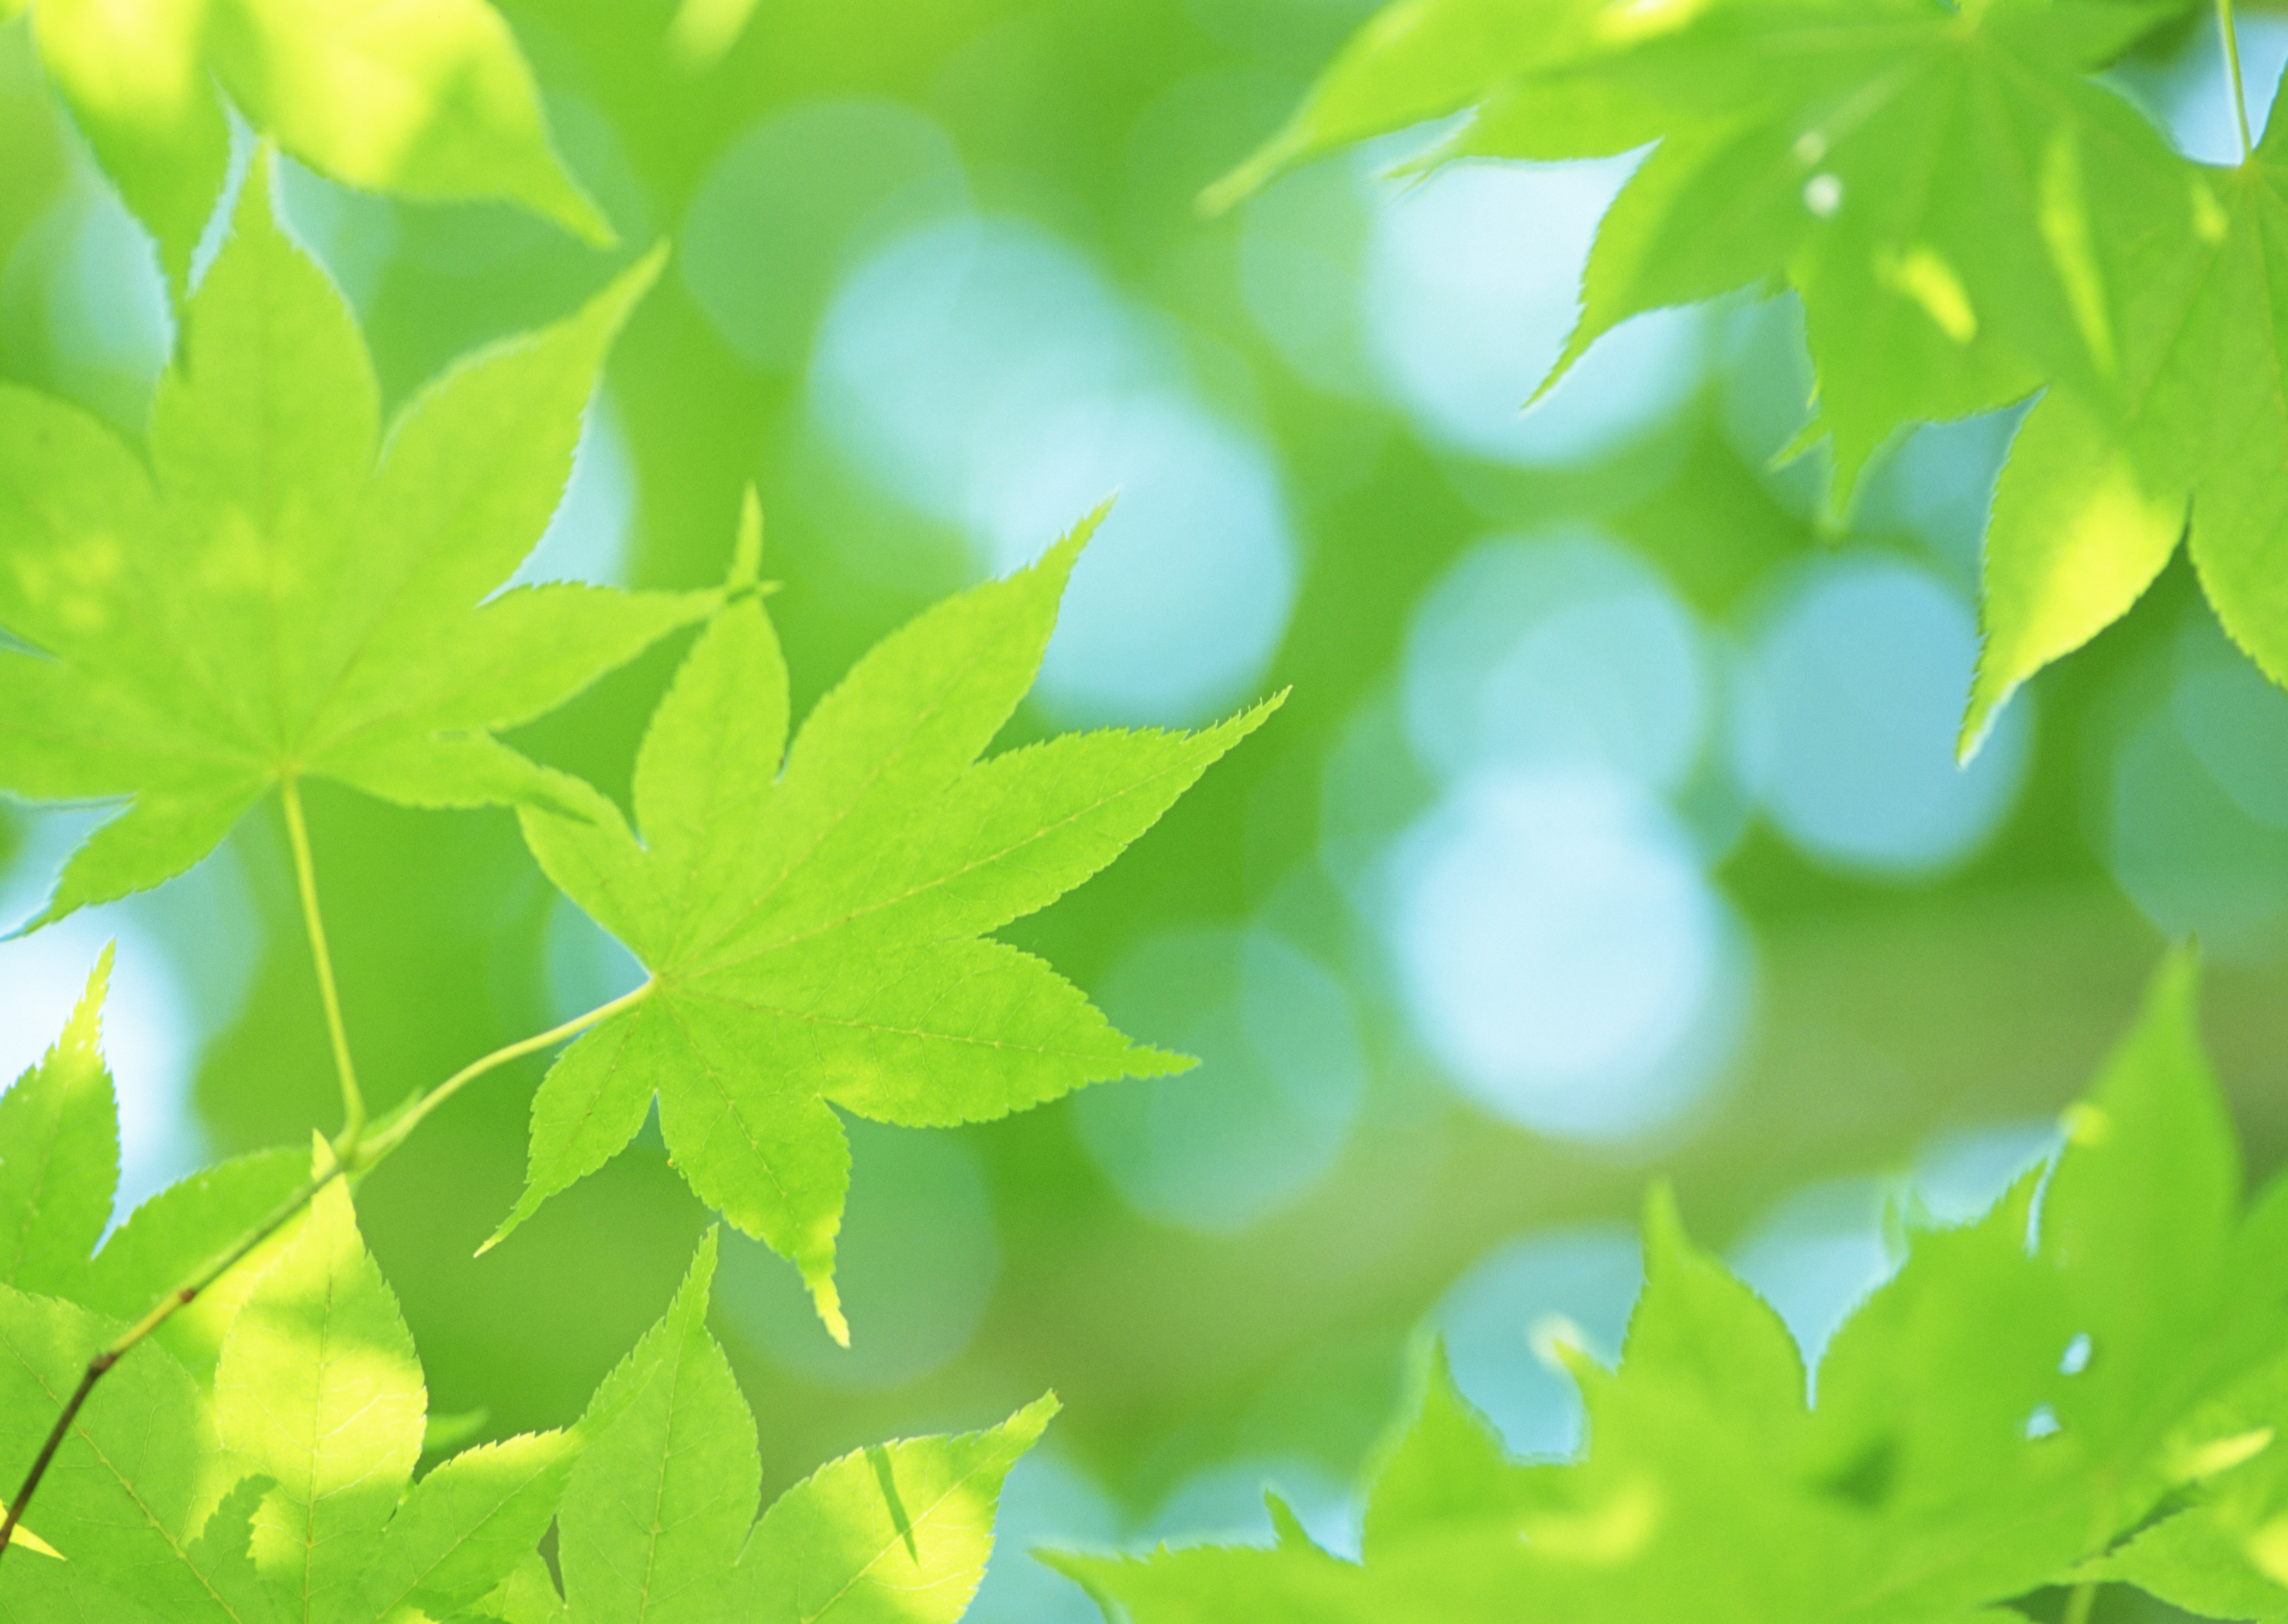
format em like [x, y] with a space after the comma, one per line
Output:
[29, 1541]
[828, 1298]
[83, 1033]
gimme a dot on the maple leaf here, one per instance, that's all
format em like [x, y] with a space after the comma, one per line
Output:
[813, 935]
[319, 1394]
[426, 97]
[1923, 177]
[287, 1493]
[2225, 1555]
[1988, 1421]
[2099, 488]
[658, 1521]
[283, 592]
[138, 1475]
[59, 1152]
[140, 1470]
[59, 1178]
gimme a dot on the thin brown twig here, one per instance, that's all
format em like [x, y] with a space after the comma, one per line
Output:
[358, 1161]
[121, 1345]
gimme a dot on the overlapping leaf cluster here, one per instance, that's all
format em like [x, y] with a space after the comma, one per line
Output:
[286, 593]
[426, 97]
[1968, 218]
[257, 1463]
[2086, 1384]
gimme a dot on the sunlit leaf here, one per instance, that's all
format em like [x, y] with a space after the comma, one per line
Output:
[186, 1226]
[812, 927]
[2097, 493]
[137, 1476]
[59, 1153]
[658, 1523]
[1924, 179]
[286, 590]
[319, 1392]
[427, 98]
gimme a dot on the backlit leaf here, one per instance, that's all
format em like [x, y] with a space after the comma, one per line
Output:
[1990, 1421]
[658, 1523]
[811, 927]
[287, 589]
[427, 98]
[1927, 178]
[137, 1476]
[59, 1153]
[319, 1392]
[318, 1388]
[2097, 491]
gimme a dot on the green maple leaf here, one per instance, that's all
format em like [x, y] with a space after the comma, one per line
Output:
[316, 1390]
[59, 1176]
[813, 934]
[178, 1232]
[658, 1521]
[2226, 1555]
[426, 97]
[319, 1392]
[140, 1470]
[59, 1153]
[1923, 177]
[2098, 489]
[284, 591]
[1988, 1421]
[134, 1483]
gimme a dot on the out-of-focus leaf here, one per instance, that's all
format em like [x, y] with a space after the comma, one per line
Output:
[1927, 179]
[1990, 1421]
[426, 97]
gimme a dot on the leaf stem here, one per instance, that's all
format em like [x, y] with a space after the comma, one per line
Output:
[164, 1310]
[359, 1158]
[409, 1115]
[305, 879]
[2080, 1602]
[2231, 36]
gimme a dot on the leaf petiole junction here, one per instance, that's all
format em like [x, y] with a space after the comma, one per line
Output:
[2231, 38]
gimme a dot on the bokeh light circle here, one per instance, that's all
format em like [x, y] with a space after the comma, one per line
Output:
[1264, 1114]
[984, 373]
[1584, 1280]
[1560, 650]
[1184, 590]
[2194, 820]
[1862, 667]
[1562, 956]
[1471, 288]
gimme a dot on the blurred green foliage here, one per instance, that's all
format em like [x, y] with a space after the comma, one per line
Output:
[1889, 1010]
